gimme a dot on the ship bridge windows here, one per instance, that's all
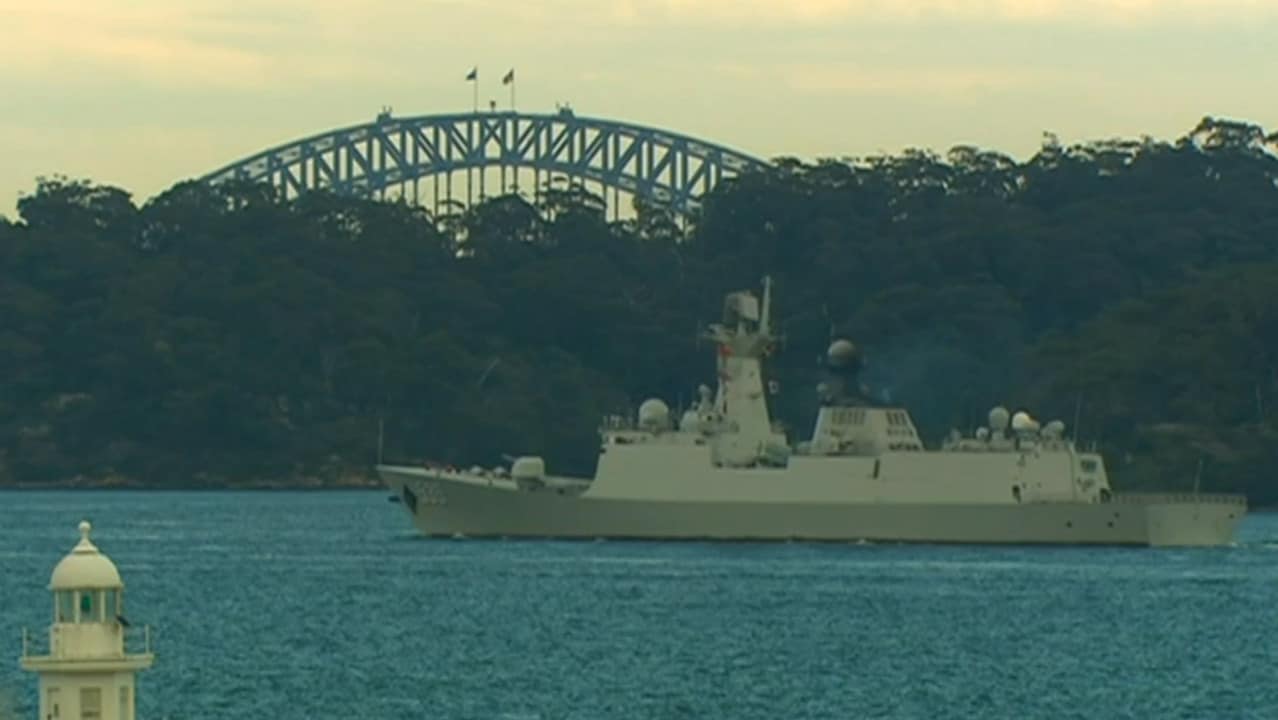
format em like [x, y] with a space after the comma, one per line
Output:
[1088, 465]
[848, 416]
[898, 418]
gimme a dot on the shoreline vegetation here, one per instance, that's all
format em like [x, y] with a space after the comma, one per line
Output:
[352, 481]
[231, 337]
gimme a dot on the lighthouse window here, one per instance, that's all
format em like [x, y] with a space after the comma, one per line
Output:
[112, 605]
[90, 606]
[90, 703]
[65, 600]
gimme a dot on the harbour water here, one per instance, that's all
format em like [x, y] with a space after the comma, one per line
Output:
[296, 605]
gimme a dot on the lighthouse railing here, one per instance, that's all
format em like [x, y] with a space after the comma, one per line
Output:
[137, 640]
[35, 645]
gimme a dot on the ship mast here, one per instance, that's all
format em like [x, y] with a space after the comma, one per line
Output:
[742, 340]
[766, 312]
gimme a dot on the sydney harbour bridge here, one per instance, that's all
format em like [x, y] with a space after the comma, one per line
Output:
[442, 160]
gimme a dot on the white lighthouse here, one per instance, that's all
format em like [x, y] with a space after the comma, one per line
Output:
[88, 672]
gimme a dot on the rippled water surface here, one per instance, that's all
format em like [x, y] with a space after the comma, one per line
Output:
[326, 605]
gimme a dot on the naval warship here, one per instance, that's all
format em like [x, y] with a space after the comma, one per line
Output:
[725, 471]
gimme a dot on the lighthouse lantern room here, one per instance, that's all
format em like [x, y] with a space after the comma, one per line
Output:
[86, 670]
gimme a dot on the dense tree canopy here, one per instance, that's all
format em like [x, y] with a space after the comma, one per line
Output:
[225, 334]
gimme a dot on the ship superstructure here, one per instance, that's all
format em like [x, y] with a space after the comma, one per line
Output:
[725, 470]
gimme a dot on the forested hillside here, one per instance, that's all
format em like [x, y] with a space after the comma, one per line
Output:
[228, 336]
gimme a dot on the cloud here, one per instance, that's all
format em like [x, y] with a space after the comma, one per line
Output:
[858, 79]
[108, 155]
[160, 43]
[811, 12]
[257, 45]
[92, 38]
[940, 80]
[92, 86]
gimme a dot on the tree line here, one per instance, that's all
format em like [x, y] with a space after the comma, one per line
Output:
[229, 335]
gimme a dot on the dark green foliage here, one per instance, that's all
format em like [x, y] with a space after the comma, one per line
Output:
[230, 334]
[1177, 376]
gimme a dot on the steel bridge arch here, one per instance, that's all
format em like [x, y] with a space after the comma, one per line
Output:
[667, 168]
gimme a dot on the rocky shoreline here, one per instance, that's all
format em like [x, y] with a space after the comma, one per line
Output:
[348, 480]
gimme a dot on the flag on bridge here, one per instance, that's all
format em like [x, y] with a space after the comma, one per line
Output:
[473, 78]
[509, 79]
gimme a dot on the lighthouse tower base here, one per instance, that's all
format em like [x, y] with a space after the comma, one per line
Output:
[86, 696]
[97, 688]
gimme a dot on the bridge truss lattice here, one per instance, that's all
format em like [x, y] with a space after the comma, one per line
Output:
[445, 158]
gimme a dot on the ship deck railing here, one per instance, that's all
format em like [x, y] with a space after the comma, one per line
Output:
[1154, 498]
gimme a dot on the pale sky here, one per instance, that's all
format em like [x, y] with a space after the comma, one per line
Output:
[144, 93]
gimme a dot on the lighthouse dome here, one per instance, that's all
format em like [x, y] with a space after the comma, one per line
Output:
[84, 568]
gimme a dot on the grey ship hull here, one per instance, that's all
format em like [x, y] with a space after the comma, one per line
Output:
[445, 506]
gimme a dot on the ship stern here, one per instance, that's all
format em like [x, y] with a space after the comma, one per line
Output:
[1193, 520]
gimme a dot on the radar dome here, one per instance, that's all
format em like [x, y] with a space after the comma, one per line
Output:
[1054, 429]
[1022, 422]
[653, 413]
[982, 433]
[998, 419]
[843, 354]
